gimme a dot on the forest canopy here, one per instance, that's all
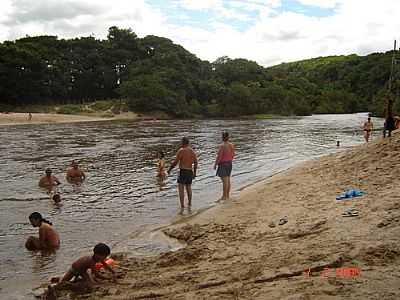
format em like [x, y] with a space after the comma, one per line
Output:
[154, 74]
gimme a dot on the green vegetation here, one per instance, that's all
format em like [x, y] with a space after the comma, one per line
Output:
[156, 75]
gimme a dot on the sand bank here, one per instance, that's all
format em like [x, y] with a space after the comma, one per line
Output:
[238, 250]
[46, 118]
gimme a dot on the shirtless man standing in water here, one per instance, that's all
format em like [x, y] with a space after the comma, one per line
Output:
[74, 174]
[187, 159]
[49, 181]
[368, 126]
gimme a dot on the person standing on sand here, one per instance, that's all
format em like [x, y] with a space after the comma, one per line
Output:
[389, 125]
[29, 117]
[226, 153]
[187, 160]
[74, 174]
[368, 126]
[49, 181]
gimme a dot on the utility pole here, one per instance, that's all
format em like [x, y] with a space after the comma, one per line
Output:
[390, 99]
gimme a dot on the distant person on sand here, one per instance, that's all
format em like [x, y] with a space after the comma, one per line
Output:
[81, 266]
[223, 164]
[49, 181]
[187, 160]
[368, 126]
[389, 125]
[48, 238]
[29, 117]
[75, 174]
[161, 173]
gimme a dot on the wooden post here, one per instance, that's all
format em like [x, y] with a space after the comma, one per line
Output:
[389, 99]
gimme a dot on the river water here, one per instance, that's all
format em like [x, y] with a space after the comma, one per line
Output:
[121, 198]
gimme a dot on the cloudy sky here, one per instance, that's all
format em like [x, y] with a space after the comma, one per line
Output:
[269, 31]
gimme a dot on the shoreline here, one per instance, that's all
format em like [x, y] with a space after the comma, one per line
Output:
[11, 119]
[238, 250]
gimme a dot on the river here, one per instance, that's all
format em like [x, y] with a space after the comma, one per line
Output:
[121, 198]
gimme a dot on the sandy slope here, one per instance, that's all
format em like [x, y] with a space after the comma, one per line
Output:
[43, 118]
[233, 253]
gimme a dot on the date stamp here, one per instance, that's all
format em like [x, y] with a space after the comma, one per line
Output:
[344, 272]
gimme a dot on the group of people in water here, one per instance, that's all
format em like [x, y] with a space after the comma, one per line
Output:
[185, 159]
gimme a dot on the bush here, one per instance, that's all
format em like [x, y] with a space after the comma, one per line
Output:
[102, 105]
[69, 109]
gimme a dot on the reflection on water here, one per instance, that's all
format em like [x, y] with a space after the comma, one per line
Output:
[121, 195]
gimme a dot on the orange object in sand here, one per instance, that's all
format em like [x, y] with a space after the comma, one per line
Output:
[110, 262]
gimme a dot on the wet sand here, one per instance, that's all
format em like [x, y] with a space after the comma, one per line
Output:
[46, 118]
[237, 250]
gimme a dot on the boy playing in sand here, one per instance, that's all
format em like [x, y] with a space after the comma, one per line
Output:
[81, 267]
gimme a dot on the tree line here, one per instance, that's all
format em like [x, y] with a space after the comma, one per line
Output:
[154, 74]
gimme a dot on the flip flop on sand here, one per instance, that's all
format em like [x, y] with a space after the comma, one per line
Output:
[283, 221]
[350, 213]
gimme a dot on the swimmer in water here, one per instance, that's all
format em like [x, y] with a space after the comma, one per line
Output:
[81, 267]
[56, 198]
[161, 173]
[75, 174]
[49, 181]
[48, 238]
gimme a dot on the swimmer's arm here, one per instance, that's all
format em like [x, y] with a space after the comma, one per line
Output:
[83, 175]
[57, 181]
[175, 162]
[194, 164]
[42, 237]
[218, 157]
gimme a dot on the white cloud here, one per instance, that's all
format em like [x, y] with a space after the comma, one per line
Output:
[201, 4]
[321, 3]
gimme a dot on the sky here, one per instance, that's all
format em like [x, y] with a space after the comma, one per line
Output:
[269, 32]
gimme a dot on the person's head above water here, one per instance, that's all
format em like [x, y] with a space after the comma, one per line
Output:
[36, 219]
[100, 252]
[57, 198]
[48, 172]
[369, 119]
[225, 136]
[161, 154]
[74, 164]
[185, 141]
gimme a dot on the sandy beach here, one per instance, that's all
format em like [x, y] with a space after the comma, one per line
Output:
[46, 118]
[238, 250]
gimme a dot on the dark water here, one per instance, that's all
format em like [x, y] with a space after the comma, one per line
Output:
[121, 197]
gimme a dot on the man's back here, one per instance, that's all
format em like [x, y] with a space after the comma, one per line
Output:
[186, 157]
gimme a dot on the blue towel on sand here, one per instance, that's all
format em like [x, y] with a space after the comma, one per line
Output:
[350, 194]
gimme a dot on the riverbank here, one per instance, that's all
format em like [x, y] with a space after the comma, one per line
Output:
[238, 250]
[48, 118]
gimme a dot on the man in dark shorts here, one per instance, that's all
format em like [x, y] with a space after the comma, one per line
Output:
[187, 160]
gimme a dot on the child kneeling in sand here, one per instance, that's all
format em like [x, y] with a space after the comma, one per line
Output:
[81, 267]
